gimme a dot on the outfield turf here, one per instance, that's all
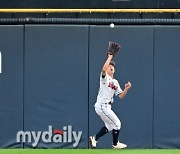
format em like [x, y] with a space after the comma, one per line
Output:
[89, 151]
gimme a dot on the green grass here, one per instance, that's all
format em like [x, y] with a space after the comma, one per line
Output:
[89, 151]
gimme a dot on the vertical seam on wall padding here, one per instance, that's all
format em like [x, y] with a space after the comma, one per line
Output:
[23, 74]
[153, 90]
[88, 42]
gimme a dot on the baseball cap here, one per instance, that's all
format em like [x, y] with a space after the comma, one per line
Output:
[112, 63]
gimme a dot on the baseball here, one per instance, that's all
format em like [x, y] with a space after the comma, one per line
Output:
[112, 25]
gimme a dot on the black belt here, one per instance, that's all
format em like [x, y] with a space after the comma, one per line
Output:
[109, 103]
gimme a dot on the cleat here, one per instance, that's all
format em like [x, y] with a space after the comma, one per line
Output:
[119, 146]
[92, 142]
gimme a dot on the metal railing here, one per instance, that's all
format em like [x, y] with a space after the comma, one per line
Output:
[96, 21]
[89, 10]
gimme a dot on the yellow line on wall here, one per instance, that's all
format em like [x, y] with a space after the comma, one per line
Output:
[89, 10]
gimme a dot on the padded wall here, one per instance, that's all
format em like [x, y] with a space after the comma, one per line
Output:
[11, 85]
[166, 84]
[134, 63]
[56, 85]
[50, 79]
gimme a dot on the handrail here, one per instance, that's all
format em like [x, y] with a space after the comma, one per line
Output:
[89, 10]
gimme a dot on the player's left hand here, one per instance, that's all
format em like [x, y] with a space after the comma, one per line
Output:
[113, 48]
[128, 85]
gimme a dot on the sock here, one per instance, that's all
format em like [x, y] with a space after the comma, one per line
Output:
[102, 132]
[115, 134]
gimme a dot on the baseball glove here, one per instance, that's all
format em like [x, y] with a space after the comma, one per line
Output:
[113, 48]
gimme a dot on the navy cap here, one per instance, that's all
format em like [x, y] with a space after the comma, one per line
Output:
[112, 63]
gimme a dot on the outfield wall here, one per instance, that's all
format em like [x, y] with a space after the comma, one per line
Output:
[50, 79]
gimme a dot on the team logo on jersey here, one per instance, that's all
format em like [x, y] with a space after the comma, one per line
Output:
[67, 135]
[112, 86]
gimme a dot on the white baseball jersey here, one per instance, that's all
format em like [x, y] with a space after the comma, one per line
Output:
[108, 87]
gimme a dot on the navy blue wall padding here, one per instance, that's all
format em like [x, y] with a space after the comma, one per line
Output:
[11, 85]
[134, 63]
[56, 80]
[166, 87]
[50, 77]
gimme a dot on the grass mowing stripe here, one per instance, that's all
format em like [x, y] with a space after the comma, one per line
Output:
[89, 151]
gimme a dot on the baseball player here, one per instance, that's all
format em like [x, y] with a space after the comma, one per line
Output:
[108, 87]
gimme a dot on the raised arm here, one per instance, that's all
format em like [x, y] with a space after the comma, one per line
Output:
[113, 48]
[106, 64]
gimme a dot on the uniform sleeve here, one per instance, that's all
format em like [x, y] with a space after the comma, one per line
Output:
[118, 90]
[103, 79]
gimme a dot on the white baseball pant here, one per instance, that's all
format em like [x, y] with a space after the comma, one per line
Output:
[108, 116]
